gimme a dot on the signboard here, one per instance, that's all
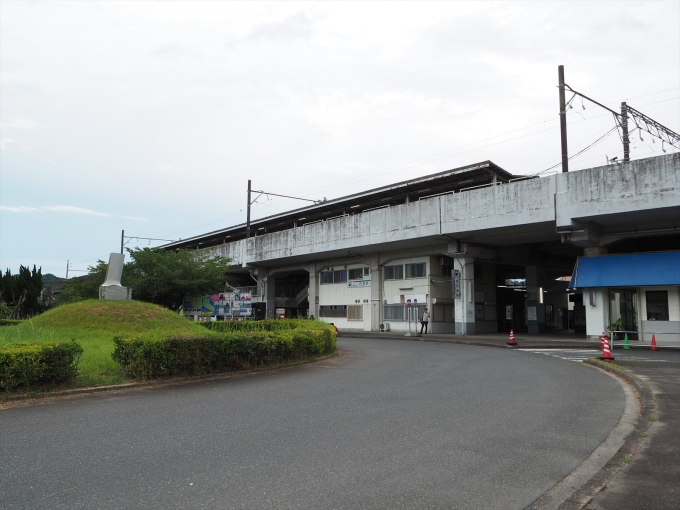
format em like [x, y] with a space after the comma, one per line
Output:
[456, 284]
[355, 284]
[223, 304]
[232, 304]
[508, 312]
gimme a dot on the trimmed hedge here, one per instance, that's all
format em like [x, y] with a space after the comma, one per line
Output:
[148, 357]
[263, 325]
[33, 365]
[10, 322]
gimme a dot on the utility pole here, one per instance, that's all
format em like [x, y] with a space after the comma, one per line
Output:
[67, 264]
[563, 120]
[624, 128]
[248, 213]
[122, 237]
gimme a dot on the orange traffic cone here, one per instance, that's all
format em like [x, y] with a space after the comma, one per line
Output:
[512, 342]
[653, 347]
[606, 353]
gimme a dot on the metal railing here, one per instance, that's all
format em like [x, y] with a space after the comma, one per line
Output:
[251, 289]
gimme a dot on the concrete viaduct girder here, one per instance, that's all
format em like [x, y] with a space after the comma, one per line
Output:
[587, 208]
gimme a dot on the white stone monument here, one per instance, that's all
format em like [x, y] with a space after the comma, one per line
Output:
[111, 289]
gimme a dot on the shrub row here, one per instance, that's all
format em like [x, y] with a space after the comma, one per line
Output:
[10, 322]
[263, 325]
[28, 366]
[148, 357]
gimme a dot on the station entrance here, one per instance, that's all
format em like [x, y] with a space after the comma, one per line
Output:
[291, 294]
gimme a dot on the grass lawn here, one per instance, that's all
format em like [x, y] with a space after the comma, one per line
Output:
[93, 324]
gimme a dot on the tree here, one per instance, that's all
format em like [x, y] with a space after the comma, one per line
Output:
[20, 293]
[167, 277]
[157, 276]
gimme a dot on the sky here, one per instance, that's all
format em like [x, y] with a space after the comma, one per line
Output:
[150, 117]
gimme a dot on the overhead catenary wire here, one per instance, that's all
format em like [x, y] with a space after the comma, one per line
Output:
[578, 153]
[414, 163]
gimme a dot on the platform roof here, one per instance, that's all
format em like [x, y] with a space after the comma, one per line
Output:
[454, 180]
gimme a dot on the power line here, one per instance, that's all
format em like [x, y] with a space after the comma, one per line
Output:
[579, 152]
[371, 175]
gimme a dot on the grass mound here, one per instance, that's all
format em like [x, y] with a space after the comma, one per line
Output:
[115, 317]
[93, 324]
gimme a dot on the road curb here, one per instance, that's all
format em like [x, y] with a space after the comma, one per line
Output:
[583, 495]
[478, 343]
[522, 343]
[8, 400]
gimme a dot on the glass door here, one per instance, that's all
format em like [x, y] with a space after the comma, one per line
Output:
[623, 312]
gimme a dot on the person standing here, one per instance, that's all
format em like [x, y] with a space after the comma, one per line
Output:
[424, 320]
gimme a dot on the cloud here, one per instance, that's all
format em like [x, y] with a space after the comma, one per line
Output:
[295, 28]
[8, 144]
[53, 208]
[135, 218]
[20, 123]
[75, 210]
[18, 209]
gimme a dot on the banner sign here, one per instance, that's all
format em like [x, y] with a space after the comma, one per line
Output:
[456, 284]
[224, 304]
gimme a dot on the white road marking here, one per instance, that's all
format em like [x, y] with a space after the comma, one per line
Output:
[579, 355]
[575, 355]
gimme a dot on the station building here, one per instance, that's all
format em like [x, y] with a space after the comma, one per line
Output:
[484, 250]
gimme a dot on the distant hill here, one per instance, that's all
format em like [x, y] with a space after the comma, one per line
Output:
[49, 279]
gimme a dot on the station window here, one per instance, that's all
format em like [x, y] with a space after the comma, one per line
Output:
[393, 312]
[333, 311]
[355, 312]
[356, 274]
[339, 276]
[394, 272]
[657, 305]
[415, 270]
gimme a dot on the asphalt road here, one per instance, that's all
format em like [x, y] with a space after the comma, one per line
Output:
[384, 425]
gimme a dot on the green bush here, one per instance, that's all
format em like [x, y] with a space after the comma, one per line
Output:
[10, 322]
[264, 325]
[27, 366]
[149, 357]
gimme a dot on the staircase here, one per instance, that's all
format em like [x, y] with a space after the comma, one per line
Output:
[302, 295]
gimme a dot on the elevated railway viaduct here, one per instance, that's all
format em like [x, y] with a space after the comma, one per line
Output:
[482, 249]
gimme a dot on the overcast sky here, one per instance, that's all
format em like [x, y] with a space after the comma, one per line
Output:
[151, 116]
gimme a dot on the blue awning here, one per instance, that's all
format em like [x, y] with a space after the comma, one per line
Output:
[630, 270]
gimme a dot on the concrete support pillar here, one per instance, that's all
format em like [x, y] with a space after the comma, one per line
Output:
[596, 301]
[270, 296]
[463, 276]
[376, 298]
[596, 304]
[313, 292]
[534, 304]
[260, 287]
